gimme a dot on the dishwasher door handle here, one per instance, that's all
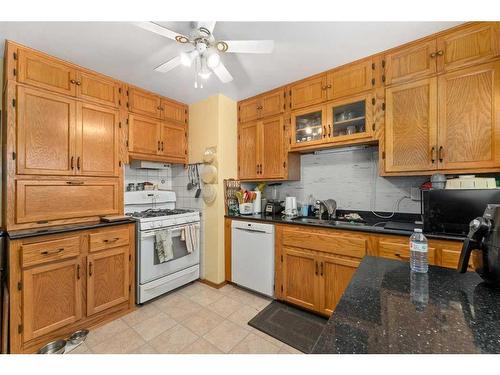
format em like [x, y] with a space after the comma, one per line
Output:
[251, 230]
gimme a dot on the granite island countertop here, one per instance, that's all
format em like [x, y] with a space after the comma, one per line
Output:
[405, 227]
[386, 309]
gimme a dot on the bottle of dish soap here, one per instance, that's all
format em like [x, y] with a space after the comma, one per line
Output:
[418, 252]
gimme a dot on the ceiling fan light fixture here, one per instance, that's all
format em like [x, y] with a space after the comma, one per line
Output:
[204, 72]
[187, 58]
[222, 46]
[213, 59]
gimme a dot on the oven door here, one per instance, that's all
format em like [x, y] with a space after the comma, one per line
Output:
[149, 266]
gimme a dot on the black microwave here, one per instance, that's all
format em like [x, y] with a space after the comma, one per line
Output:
[450, 211]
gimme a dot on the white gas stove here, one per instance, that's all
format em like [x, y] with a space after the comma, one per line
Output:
[155, 211]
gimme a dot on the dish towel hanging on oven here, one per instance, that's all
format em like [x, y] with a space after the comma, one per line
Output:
[190, 234]
[163, 245]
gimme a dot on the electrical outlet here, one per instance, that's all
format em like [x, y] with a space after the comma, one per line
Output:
[415, 194]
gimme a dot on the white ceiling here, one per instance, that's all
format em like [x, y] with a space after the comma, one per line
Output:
[126, 52]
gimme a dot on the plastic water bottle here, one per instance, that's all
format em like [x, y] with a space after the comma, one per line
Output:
[418, 252]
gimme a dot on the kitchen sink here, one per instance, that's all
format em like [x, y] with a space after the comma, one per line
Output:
[314, 220]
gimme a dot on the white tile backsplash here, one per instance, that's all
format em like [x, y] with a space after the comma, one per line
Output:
[351, 178]
[160, 177]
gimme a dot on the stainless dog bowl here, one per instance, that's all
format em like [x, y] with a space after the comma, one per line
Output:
[78, 337]
[54, 347]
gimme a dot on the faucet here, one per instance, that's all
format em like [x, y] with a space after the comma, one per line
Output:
[329, 205]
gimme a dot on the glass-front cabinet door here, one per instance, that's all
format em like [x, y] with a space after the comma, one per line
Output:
[309, 126]
[350, 118]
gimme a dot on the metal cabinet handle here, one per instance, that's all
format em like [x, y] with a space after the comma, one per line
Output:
[159, 146]
[329, 86]
[78, 272]
[440, 155]
[316, 265]
[433, 54]
[433, 152]
[78, 163]
[324, 131]
[90, 268]
[329, 130]
[47, 252]
[72, 81]
[78, 83]
[401, 256]
[72, 162]
[162, 145]
[440, 52]
[111, 240]
[321, 269]
[75, 182]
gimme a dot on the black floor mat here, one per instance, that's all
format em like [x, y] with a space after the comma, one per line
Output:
[292, 326]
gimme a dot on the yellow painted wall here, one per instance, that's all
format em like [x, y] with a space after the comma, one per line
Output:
[212, 123]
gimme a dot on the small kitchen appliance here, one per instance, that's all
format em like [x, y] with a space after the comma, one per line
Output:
[484, 238]
[155, 211]
[273, 208]
[291, 207]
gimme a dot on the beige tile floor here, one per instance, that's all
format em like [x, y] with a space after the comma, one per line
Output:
[195, 319]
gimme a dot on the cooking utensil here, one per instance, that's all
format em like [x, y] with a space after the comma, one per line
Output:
[54, 347]
[78, 337]
[198, 191]
[209, 174]
[190, 185]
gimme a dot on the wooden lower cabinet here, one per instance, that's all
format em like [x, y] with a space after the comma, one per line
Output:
[57, 285]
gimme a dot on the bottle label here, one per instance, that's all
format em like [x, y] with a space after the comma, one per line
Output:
[421, 247]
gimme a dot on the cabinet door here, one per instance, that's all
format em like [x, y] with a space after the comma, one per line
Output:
[98, 89]
[335, 275]
[97, 141]
[309, 92]
[144, 135]
[465, 47]
[41, 71]
[40, 201]
[469, 118]
[52, 297]
[45, 133]
[272, 103]
[411, 126]
[249, 110]
[173, 142]
[144, 103]
[416, 61]
[309, 127]
[273, 156]
[350, 80]
[173, 111]
[247, 151]
[107, 280]
[300, 278]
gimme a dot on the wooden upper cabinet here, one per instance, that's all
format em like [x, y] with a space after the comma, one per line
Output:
[45, 133]
[272, 103]
[308, 92]
[467, 46]
[300, 282]
[469, 118]
[107, 279]
[173, 111]
[43, 200]
[351, 79]
[309, 126]
[97, 141]
[52, 297]
[173, 144]
[272, 157]
[249, 110]
[40, 70]
[410, 63]
[144, 135]
[98, 89]
[335, 275]
[411, 126]
[247, 150]
[144, 103]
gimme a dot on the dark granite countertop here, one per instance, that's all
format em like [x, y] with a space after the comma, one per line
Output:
[17, 234]
[386, 309]
[381, 226]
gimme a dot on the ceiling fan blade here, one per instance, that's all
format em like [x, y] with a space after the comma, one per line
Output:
[249, 46]
[157, 29]
[209, 25]
[169, 65]
[222, 73]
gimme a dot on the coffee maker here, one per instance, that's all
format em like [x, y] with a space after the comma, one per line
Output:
[484, 236]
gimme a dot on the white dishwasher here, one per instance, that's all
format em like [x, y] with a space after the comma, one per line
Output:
[252, 256]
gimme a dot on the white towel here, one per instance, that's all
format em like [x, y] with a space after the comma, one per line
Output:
[190, 234]
[163, 245]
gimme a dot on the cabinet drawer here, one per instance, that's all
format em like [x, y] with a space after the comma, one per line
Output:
[399, 250]
[41, 201]
[450, 258]
[334, 243]
[48, 251]
[108, 239]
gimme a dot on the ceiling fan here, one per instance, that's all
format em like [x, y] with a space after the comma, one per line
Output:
[206, 53]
